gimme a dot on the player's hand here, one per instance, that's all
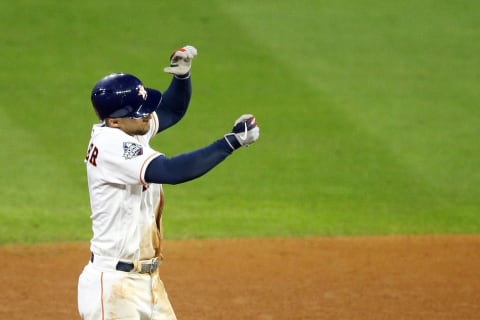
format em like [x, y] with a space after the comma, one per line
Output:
[181, 61]
[245, 132]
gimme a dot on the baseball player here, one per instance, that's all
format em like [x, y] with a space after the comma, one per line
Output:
[125, 177]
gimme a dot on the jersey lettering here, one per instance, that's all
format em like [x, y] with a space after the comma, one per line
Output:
[92, 154]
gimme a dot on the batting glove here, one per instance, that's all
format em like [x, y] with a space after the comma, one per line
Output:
[181, 61]
[245, 132]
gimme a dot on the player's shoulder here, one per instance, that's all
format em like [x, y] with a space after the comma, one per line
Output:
[106, 136]
[113, 143]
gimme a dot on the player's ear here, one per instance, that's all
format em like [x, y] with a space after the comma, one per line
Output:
[112, 122]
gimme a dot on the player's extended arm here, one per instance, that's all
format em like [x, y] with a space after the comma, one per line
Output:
[176, 98]
[191, 165]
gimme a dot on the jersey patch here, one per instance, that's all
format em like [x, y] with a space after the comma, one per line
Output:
[132, 150]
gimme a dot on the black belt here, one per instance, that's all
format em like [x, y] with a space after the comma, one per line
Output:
[121, 266]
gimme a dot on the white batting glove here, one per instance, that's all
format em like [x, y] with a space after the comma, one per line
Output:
[245, 132]
[181, 61]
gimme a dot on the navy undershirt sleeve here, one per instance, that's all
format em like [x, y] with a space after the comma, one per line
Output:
[174, 104]
[187, 166]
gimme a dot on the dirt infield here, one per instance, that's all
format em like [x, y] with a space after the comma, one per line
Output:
[408, 277]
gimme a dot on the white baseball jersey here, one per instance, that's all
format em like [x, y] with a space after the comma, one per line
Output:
[123, 206]
[126, 223]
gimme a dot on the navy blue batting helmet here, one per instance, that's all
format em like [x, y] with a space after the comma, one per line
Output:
[121, 95]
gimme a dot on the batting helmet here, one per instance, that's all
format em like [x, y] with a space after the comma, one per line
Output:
[121, 95]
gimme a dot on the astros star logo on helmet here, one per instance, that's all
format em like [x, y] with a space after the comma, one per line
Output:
[142, 92]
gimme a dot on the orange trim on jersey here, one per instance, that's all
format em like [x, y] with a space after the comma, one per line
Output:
[101, 297]
[155, 120]
[144, 166]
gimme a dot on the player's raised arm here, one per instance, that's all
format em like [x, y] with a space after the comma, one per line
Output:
[194, 164]
[176, 98]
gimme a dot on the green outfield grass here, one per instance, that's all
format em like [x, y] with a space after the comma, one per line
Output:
[369, 113]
